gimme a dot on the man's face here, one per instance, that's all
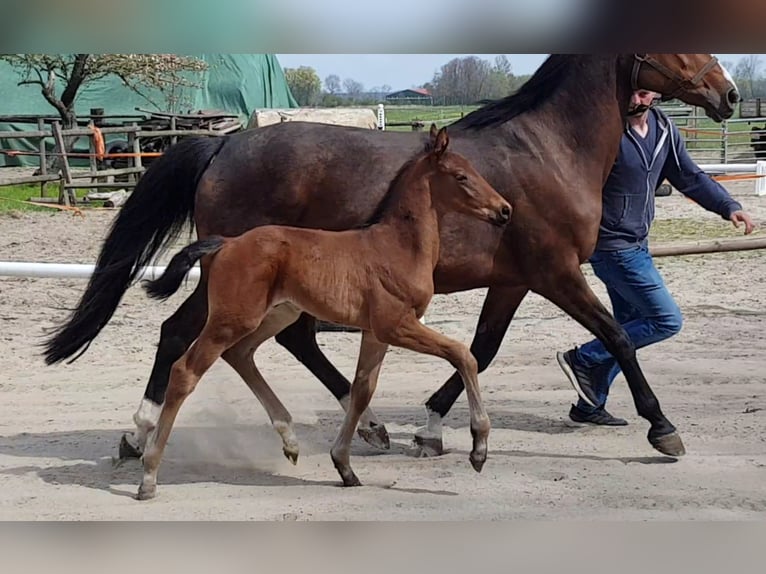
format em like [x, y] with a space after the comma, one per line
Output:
[640, 101]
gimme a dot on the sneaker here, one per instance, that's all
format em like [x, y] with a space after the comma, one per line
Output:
[579, 376]
[597, 417]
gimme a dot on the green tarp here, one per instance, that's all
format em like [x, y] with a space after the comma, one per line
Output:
[235, 83]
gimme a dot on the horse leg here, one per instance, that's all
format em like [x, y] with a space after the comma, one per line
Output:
[176, 334]
[571, 292]
[498, 310]
[240, 357]
[300, 340]
[184, 376]
[412, 334]
[371, 354]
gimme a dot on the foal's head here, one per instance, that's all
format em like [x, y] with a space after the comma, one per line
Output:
[457, 186]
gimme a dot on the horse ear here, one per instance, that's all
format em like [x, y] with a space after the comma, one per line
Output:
[433, 133]
[442, 140]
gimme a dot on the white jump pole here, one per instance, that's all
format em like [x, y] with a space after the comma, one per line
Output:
[381, 117]
[729, 167]
[70, 270]
[760, 183]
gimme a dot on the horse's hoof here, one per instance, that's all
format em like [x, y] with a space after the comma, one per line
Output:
[351, 480]
[668, 444]
[347, 475]
[477, 461]
[291, 455]
[376, 435]
[146, 492]
[429, 445]
[127, 450]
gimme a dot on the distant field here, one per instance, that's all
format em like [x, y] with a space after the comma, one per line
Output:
[440, 115]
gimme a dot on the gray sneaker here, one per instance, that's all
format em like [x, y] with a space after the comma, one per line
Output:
[579, 376]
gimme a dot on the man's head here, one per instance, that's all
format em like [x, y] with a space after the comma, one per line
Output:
[641, 101]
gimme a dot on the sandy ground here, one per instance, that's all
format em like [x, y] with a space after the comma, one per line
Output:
[60, 426]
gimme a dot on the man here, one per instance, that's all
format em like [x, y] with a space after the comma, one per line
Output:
[651, 151]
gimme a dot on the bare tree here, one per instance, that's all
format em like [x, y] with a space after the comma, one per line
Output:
[462, 81]
[503, 65]
[747, 72]
[353, 88]
[332, 84]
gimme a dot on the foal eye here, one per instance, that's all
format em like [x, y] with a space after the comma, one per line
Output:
[461, 177]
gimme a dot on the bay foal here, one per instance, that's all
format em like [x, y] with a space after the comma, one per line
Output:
[378, 279]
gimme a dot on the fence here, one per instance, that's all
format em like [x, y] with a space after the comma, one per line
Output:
[97, 178]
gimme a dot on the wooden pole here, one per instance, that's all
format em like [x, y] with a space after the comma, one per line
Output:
[708, 246]
[43, 158]
[64, 194]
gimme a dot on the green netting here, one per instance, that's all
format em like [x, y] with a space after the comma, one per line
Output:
[235, 83]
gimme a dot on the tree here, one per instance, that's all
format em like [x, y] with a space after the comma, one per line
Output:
[353, 88]
[332, 84]
[162, 73]
[304, 84]
[747, 71]
[503, 65]
[462, 81]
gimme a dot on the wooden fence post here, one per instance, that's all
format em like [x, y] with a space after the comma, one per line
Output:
[65, 195]
[43, 156]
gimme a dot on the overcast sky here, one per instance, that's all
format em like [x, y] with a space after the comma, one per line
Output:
[405, 70]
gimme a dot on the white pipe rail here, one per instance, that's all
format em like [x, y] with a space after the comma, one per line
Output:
[758, 168]
[71, 270]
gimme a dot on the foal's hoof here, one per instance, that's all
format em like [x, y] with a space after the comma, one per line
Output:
[291, 454]
[477, 461]
[668, 444]
[376, 435]
[127, 449]
[428, 444]
[146, 492]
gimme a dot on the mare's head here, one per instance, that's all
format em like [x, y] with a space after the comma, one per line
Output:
[457, 186]
[697, 79]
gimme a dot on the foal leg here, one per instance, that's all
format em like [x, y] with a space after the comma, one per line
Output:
[498, 310]
[176, 334]
[371, 354]
[571, 292]
[240, 357]
[300, 340]
[412, 334]
[184, 376]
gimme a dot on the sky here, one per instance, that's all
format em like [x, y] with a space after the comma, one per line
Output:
[402, 71]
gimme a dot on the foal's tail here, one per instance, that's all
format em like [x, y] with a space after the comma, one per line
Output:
[154, 215]
[182, 262]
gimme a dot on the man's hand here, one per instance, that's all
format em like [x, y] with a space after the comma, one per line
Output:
[740, 216]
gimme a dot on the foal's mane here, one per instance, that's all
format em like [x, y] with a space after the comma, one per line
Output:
[538, 89]
[386, 201]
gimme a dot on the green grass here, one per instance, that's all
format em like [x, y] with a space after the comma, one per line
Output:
[11, 197]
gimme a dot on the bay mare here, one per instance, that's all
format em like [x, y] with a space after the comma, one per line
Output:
[547, 149]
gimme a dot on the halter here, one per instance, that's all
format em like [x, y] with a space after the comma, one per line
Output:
[680, 82]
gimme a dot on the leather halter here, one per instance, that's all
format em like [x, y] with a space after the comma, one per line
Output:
[681, 84]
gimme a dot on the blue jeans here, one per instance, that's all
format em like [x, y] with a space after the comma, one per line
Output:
[641, 303]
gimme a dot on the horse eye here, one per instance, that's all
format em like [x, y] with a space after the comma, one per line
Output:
[461, 177]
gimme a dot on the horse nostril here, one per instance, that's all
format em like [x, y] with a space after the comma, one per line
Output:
[733, 96]
[505, 212]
